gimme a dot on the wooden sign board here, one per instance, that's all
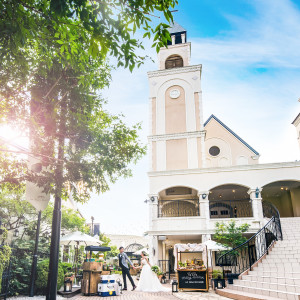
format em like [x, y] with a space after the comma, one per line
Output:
[193, 280]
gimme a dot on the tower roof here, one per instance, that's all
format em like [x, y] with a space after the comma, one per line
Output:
[175, 28]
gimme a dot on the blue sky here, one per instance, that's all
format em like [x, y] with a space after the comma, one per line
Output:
[250, 53]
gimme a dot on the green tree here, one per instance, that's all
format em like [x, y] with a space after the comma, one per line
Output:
[5, 253]
[230, 234]
[16, 213]
[53, 64]
[106, 27]
[13, 207]
[107, 243]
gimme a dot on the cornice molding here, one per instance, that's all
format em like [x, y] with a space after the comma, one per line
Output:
[190, 232]
[294, 164]
[176, 136]
[175, 71]
[296, 122]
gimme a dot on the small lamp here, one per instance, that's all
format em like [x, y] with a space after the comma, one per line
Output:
[257, 192]
[16, 232]
[174, 286]
[21, 220]
[204, 196]
[164, 279]
[68, 286]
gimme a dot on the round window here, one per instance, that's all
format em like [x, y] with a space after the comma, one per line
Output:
[214, 151]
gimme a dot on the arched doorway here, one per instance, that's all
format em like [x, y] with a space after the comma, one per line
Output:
[178, 201]
[230, 201]
[285, 196]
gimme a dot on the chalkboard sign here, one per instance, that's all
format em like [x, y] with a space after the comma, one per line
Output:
[192, 280]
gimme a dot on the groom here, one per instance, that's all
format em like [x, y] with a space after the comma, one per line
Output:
[123, 258]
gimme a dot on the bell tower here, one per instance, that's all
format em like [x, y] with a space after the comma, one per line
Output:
[177, 134]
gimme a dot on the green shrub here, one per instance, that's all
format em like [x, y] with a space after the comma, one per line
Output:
[67, 267]
[217, 274]
[42, 276]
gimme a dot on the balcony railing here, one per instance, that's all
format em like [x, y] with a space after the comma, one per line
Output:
[178, 208]
[230, 209]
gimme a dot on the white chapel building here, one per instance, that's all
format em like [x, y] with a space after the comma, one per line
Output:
[201, 171]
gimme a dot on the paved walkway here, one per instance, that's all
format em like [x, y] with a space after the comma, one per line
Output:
[211, 295]
[134, 295]
[129, 295]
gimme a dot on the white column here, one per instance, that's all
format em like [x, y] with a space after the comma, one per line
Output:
[192, 153]
[203, 153]
[255, 196]
[154, 250]
[204, 207]
[183, 38]
[173, 39]
[153, 209]
[161, 156]
[150, 154]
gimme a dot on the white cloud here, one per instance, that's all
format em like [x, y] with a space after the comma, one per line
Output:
[259, 106]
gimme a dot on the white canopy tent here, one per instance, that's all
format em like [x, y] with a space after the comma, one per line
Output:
[206, 248]
[212, 246]
[139, 252]
[190, 248]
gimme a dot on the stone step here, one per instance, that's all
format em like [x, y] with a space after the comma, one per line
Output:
[275, 255]
[287, 274]
[284, 250]
[233, 294]
[284, 267]
[273, 279]
[281, 287]
[264, 291]
[270, 259]
[287, 259]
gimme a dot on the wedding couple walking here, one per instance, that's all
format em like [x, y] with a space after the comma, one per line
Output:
[148, 279]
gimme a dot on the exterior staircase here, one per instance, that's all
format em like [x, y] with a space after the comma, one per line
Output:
[276, 275]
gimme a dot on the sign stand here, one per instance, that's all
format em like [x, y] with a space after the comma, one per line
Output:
[192, 279]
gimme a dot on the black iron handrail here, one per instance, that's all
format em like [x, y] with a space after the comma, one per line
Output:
[226, 208]
[178, 208]
[269, 210]
[242, 257]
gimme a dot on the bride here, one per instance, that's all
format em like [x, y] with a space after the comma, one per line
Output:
[148, 279]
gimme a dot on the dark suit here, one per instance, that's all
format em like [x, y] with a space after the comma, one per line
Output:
[123, 258]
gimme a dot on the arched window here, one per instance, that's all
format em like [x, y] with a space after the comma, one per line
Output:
[174, 61]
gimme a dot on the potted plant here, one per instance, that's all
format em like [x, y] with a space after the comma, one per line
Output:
[70, 276]
[217, 279]
[160, 275]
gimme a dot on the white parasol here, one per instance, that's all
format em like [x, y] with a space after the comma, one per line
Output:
[79, 238]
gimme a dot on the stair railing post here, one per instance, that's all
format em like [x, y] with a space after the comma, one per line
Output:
[249, 255]
[266, 241]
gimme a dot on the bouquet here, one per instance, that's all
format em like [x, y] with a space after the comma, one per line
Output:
[155, 269]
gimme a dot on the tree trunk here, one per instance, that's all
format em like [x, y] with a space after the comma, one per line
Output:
[56, 220]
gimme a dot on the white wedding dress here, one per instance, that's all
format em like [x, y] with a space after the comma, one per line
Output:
[149, 281]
